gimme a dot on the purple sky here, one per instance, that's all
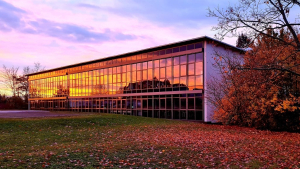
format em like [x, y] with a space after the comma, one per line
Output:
[57, 33]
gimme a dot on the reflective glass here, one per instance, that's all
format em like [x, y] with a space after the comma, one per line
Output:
[150, 64]
[169, 62]
[176, 71]
[183, 70]
[168, 51]
[176, 61]
[183, 59]
[183, 81]
[162, 62]
[150, 76]
[162, 72]
[128, 68]
[145, 75]
[156, 63]
[169, 72]
[199, 68]
[156, 73]
[199, 57]
[119, 69]
[182, 48]
[133, 67]
[191, 58]
[145, 65]
[139, 66]
[139, 57]
[124, 68]
[191, 69]
[199, 80]
[162, 52]
[190, 47]
[191, 81]
[139, 76]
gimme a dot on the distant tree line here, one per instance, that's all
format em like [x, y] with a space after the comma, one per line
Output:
[17, 85]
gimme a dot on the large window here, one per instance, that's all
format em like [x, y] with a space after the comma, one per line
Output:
[178, 73]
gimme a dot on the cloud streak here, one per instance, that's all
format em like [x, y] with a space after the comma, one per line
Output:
[13, 18]
[165, 13]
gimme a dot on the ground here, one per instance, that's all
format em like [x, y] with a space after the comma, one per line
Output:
[120, 141]
[34, 114]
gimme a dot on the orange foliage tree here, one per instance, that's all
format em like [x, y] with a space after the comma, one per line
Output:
[262, 89]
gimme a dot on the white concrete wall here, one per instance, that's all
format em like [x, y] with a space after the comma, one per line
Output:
[209, 72]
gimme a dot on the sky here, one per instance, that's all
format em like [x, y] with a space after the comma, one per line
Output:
[57, 33]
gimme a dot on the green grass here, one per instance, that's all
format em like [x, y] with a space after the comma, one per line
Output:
[114, 141]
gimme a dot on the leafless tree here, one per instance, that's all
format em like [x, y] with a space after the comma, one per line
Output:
[254, 17]
[8, 78]
[18, 84]
[260, 17]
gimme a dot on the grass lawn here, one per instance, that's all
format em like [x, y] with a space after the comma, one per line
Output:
[120, 141]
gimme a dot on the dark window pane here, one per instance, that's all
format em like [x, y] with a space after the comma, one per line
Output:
[182, 48]
[198, 45]
[191, 58]
[183, 59]
[183, 103]
[169, 51]
[162, 103]
[190, 47]
[198, 103]
[199, 57]
[169, 103]
[175, 103]
[175, 50]
[162, 52]
[155, 53]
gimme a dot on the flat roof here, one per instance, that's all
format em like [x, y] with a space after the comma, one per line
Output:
[202, 38]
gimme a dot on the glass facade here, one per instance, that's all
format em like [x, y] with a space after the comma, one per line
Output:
[167, 83]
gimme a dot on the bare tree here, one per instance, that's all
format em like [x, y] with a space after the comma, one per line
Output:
[254, 17]
[270, 18]
[18, 84]
[8, 78]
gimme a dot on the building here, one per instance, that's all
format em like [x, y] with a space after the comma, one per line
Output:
[167, 81]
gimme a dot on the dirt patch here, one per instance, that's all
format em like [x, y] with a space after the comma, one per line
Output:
[35, 114]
